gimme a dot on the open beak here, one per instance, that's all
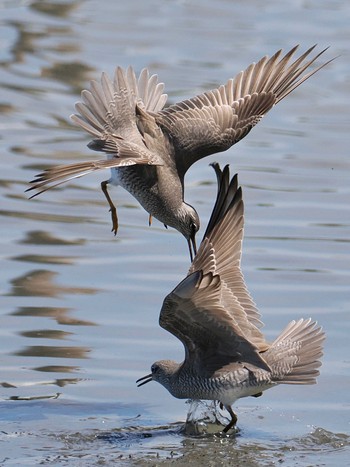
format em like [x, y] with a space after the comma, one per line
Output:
[144, 379]
[192, 246]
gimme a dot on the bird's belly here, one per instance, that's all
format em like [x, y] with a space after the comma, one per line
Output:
[226, 389]
[146, 194]
[135, 186]
[229, 395]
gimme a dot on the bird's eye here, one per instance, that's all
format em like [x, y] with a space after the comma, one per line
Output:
[154, 368]
[194, 227]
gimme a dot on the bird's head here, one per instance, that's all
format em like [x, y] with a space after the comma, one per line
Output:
[162, 372]
[189, 226]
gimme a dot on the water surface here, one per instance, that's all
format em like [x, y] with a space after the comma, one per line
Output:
[79, 307]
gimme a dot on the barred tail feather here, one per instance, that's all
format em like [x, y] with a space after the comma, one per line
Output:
[294, 357]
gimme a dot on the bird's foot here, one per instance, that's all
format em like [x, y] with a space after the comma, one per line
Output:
[114, 217]
[233, 418]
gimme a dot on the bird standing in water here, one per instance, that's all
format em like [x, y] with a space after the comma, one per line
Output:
[214, 316]
[150, 148]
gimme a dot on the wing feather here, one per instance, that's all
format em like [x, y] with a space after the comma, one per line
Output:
[211, 337]
[202, 125]
[220, 253]
[211, 310]
[108, 112]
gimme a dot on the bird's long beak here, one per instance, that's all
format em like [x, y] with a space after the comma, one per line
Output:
[192, 246]
[144, 379]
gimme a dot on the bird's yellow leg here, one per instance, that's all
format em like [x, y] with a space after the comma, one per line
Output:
[112, 209]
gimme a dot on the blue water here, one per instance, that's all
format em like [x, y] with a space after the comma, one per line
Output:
[79, 307]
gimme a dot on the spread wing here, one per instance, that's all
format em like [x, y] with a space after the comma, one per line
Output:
[111, 112]
[212, 304]
[215, 120]
[220, 253]
[194, 314]
[108, 109]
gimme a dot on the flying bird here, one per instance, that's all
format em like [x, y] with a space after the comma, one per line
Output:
[150, 147]
[212, 313]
